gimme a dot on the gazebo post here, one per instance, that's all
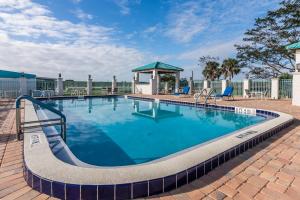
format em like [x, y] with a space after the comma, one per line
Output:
[154, 81]
[177, 78]
[157, 83]
[137, 77]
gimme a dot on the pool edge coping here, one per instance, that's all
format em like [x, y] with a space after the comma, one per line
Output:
[183, 175]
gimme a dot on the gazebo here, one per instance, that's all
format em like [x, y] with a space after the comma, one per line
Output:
[155, 112]
[155, 70]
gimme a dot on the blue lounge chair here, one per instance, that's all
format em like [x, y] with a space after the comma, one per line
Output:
[227, 93]
[185, 91]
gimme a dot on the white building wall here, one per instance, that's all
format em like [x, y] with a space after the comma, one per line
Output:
[297, 58]
[296, 81]
[296, 89]
[143, 89]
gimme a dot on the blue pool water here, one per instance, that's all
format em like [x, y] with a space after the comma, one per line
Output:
[119, 131]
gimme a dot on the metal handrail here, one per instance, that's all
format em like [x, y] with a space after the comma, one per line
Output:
[198, 95]
[43, 105]
[209, 95]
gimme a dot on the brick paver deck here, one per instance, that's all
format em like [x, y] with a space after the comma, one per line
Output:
[271, 170]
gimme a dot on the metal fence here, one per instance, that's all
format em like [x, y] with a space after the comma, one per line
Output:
[198, 85]
[124, 87]
[99, 87]
[238, 87]
[45, 84]
[11, 87]
[73, 84]
[285, 88]
[217, 85]
[262, 86]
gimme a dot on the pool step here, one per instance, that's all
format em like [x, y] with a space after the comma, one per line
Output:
[55, 144]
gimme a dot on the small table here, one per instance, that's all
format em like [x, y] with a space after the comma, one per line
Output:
[255, 94]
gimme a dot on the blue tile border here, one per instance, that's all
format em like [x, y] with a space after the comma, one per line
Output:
[149, 187]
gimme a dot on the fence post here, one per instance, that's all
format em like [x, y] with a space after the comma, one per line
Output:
[113, 85]
[206, 84]
[224, 85]
[191, 85]
[275, 88]
[60, 85]
[89, 85]
[246, 83]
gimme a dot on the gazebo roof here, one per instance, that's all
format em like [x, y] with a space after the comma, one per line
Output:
[157, 65]
[294, 46]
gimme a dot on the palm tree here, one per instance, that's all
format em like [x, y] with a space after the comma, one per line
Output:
[211, 70]
[230, 67]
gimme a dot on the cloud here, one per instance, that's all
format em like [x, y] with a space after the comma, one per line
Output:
[152, 32]
[150, 29]
[76, 1]
[80, 14]
[73, 61]
[191, 19]
[20, 20]
[184, 23]
[124, 6]
[219, 49]
[39, 43]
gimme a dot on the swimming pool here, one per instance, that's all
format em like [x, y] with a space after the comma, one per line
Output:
[179, 143]
[115, 131]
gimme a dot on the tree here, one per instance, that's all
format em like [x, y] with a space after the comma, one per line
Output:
[168, 78]
[264, 48]
[211, 69]
[230, 67]
[285, 76]
[259, 73]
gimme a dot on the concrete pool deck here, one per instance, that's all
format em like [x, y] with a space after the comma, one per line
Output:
[269, 170]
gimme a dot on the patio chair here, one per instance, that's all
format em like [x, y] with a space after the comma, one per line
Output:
[185, 91]
[265, 93]
[248, 93]
[227, 93]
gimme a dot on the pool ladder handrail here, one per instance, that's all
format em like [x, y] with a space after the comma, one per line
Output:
[39, 123]
[210, 93]
[197, 96]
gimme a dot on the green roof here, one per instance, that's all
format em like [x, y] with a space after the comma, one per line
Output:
[294, 46]
[10, 74]
[157, 65]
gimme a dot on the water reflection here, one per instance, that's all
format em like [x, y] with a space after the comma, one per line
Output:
[90, 105]
[213, 116]
[155, 112]
[114, 102]
[60, 105]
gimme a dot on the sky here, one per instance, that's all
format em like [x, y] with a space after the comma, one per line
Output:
[111, 37]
